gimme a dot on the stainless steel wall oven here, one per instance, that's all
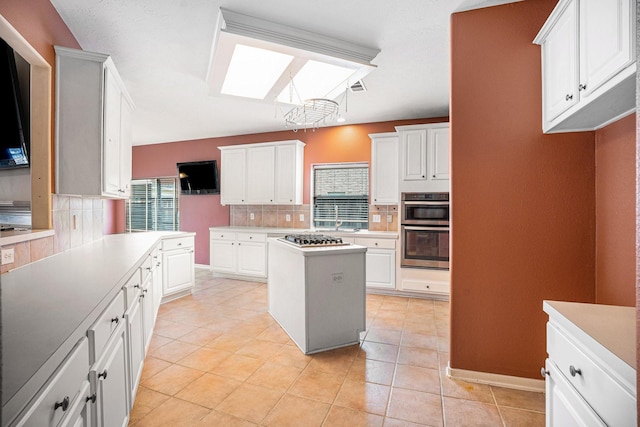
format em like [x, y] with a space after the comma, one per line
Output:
[425, 230]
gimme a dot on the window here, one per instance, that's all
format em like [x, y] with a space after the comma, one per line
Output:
[153, 205]
[341, 191]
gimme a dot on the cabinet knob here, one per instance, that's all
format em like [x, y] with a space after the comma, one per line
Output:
[544, 372]
[573, 371]
[423, 176]
[103, 374]
[179, 244]
[136, 286]
[91, 398]
[568, 97]
[116, 319]
[582, 87]
[64, 404]
[433, 176]
[148, 268]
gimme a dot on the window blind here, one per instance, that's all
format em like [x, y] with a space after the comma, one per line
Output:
[153, 205]
[342, 192]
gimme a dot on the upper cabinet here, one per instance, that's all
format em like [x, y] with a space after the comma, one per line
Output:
[588, 64]
[424, 157]
[263, 173]
[384, 168]
[93, 126]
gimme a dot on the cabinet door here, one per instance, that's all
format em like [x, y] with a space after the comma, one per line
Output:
[564, 406]
[439, 153]
[148, 311]
[80, 413]
[135, 324]
[560, 64]
[414, 160]
[251, 259]
[156, 277]
[125, 147]
[605, 41]
[233, 176]
[223, 256]
[286, 176]
[111, 147]
[384, 164]
[260, 175]
[381, 268]
[110, 381]
[178, 270]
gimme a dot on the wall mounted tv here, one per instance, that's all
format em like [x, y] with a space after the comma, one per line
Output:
[14, 137]
[199, 177]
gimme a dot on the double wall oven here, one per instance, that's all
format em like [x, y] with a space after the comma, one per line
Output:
[425, 230]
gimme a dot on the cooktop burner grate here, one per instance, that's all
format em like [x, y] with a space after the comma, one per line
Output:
[313, 240]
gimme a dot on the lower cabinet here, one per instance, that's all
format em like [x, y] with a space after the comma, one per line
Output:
[65, 391]
[178, 268]
[80, 413]
[243, 254]
[156, 278]
[110, 382]
[136, 342]
[147, 299]
[381, 262]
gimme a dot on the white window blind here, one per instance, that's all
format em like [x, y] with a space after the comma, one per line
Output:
[341, 188]
[153, 205]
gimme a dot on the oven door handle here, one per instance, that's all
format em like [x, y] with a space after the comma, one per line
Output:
[425, 203]
[425, 228]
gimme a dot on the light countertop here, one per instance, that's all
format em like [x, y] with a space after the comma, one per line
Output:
[12, 237]
[613, 327]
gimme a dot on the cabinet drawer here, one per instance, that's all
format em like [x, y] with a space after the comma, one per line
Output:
[131, 288]
[376, 243]
[108, 321]
[63, 389]
[613, 403]
[222, 235]
[252, 237]
[177, 243]
[425, 286]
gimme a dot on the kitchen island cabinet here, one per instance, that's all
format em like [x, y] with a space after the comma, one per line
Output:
[178, 267]
[317, 294]
[48, 309]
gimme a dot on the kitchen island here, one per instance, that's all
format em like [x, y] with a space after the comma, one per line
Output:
[317, 294]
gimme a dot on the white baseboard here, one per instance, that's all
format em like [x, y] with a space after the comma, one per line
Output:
[205, 266]
[498, 380]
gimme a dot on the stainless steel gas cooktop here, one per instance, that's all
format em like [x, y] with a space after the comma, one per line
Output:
[313, 240]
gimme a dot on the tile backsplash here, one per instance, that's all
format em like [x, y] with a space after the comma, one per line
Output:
[76, 221]
[298, 216]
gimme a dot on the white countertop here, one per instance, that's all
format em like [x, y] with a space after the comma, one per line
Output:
[49, 304]
[318, 250]
[614, 327]
[274, 231]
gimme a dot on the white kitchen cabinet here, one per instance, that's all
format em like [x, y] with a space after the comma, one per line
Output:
[147, 296]
[381, 262]
[93, 126]
[80, 412]
[588, 64]
[288, 178]
[590, 371]
[233, 171]
[178, 266]
[424, 157]
[384, 168]
[136, 343]
[65, 389]
[109, 378]
[262, 173]
[241, 254]
[156, 278]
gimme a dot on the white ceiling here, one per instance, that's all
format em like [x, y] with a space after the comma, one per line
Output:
[162, 48]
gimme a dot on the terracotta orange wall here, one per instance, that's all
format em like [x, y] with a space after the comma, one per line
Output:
[522, 203]
[615, 213]
[198, 213]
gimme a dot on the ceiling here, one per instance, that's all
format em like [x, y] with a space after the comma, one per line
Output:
[162, 48]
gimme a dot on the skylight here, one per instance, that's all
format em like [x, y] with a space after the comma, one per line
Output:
[316, 80]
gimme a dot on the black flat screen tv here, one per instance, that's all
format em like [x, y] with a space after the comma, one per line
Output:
[14, 139]
[199, 177]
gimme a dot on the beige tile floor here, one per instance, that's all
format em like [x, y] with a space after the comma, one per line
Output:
[217, 358]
